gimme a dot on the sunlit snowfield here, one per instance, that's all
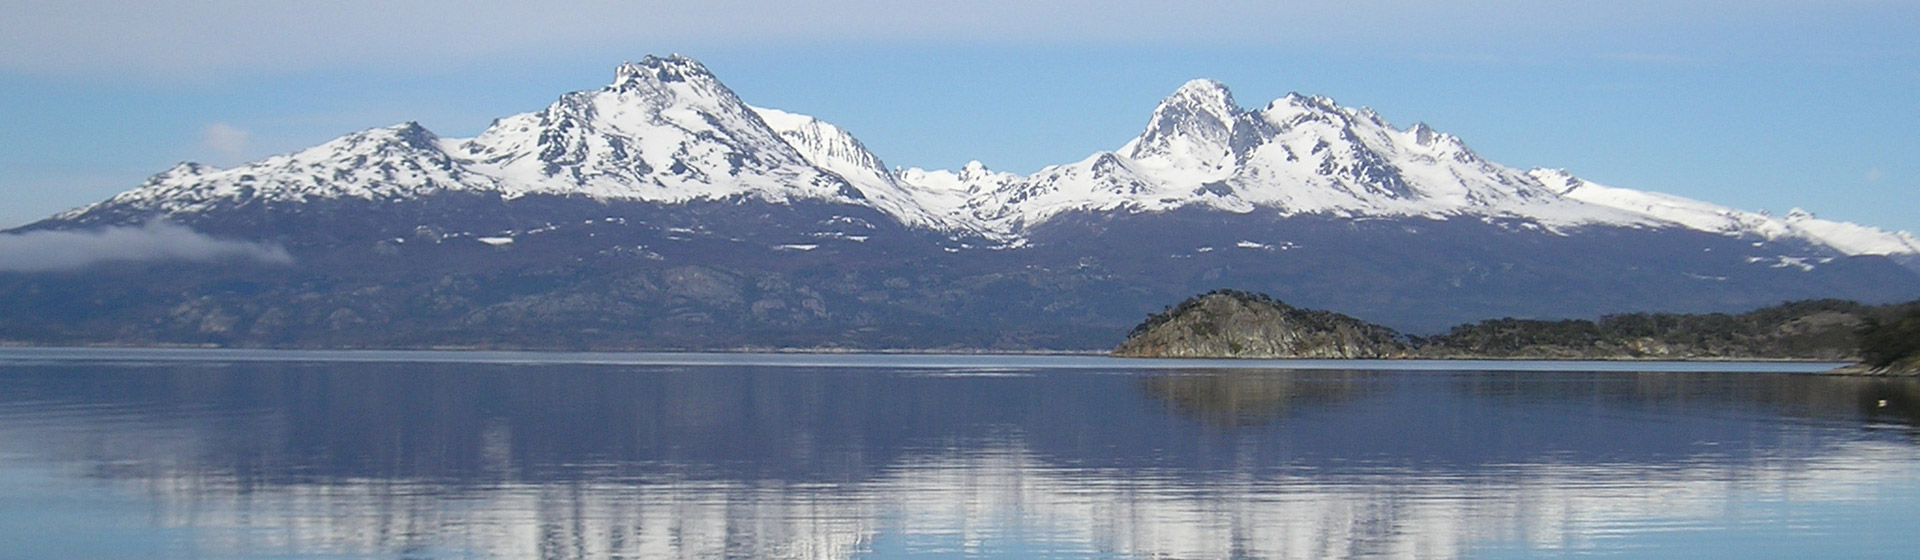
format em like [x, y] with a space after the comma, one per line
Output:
[250, 454]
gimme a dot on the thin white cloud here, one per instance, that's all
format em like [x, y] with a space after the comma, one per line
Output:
[198, 37]
[227, 140]
[42, 251]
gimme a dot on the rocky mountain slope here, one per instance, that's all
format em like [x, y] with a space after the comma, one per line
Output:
[662, 211]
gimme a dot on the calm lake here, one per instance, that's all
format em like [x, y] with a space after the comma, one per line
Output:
[296, 455]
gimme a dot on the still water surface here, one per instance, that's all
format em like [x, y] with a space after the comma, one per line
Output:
[294, 455]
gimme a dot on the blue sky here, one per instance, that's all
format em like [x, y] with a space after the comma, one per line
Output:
[1759, 105]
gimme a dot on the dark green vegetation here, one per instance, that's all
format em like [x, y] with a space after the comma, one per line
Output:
[1882, 335]
[1892, 344]
[1809, 330]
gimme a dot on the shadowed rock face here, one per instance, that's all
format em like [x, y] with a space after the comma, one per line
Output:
[1233, 324]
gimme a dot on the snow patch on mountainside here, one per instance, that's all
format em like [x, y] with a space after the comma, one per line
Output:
[1847, 238]
[1851, 238]
[836, 151]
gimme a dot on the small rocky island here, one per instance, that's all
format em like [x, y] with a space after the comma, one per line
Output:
[1885, 339]
[1235, 324]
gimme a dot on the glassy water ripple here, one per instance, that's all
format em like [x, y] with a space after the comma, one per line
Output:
[133, 457]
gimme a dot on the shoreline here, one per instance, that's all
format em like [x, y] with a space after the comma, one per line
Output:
[4, 344]
[889, 351]
[841, 358]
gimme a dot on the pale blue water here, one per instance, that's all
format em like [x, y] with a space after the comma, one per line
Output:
[294, 455]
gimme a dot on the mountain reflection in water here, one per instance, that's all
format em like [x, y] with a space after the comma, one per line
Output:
[242, 460]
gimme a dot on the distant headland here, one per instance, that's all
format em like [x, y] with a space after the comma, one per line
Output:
[1883, 339]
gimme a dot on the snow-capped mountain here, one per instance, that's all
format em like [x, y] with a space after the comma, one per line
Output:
[662, 211]
[666, 130]
[1308, 155]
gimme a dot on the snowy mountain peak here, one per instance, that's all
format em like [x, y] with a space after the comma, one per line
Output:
[1423, 134]
[183, 170]
[657, 84]
[1209, 95]
[1296, 109]
[1302, 102]
[1192, 128]
[408, 136]
[657, 70]
[665, 130]
[974, 170]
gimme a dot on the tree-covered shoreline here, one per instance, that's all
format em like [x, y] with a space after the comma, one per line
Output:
[1885, 338]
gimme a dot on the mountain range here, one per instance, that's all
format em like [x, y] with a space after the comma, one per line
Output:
[662, 211]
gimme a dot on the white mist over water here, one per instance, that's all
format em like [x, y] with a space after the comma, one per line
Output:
[43, 251]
